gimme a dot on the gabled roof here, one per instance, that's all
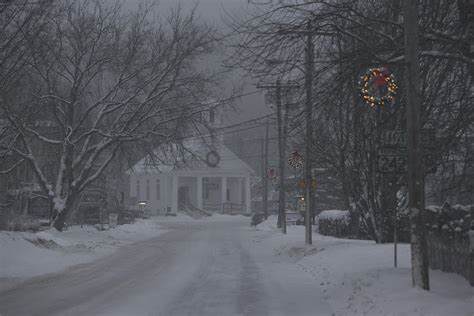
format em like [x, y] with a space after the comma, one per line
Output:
[192, 157]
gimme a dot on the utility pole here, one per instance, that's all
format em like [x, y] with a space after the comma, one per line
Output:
[309, 73]
[281, 159]
[281, 122]
[416, 194]
[265, 168]
[309, 115]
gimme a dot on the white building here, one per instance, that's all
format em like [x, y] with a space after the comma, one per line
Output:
[211, 178]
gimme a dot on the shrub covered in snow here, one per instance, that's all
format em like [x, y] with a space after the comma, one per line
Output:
[450, 219]
[334, 223]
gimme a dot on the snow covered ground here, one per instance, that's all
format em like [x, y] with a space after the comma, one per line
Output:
[24, 255]
[217, 265]
[358, 278]
[200, 267]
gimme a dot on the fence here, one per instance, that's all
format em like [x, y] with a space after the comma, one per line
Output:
[450, 241]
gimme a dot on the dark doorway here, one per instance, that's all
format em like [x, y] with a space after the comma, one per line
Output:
[183, 195]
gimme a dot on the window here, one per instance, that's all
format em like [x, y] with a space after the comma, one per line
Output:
[147, 192]
[227, 195]
[138, 190]
[158, 193]
[212, 116]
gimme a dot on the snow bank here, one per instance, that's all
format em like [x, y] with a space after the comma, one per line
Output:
[25, 255]
[357, 277]
[268, 225]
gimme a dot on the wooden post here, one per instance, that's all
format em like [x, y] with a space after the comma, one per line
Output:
[281, 160]
[471, 249]
[265, 179]
[444, 248]
[264, 172]
[309, 116]
[395, 237]
[416, 198]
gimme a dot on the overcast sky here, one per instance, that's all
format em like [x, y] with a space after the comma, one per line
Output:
[214, 11]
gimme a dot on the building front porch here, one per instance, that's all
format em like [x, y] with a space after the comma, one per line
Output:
[218, 194]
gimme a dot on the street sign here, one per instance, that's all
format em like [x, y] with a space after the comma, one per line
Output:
[270, 98]
[302, 184]
[394, 160]
[397, 138]
[392, 156]
[394, 138]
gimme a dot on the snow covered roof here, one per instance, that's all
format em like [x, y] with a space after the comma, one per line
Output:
[191, 157]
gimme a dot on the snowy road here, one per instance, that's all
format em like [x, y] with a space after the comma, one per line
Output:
[197, 268]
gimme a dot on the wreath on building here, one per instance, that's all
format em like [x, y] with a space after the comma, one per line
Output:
[378, 87]
[212, 159]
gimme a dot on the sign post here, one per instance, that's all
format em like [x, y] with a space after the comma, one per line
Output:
[392, 158]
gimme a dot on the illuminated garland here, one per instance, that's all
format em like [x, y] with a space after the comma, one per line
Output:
[380, 79]
[295, 160]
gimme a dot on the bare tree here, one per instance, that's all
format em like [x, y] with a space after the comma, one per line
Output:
[365, 34]
[100, 79]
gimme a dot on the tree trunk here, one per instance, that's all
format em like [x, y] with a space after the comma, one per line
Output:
[59, 218]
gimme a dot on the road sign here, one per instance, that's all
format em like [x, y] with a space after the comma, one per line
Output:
[270, 98]
[394, 160]
[394, 138]
[397, 138]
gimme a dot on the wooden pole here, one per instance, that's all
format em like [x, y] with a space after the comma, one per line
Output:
[416, 198]
[309, 114]
[281, 160]
[265, 168]
[395, 238]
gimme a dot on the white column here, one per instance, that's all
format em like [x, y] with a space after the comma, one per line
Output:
[199, 192]
[247, 194]
[240, 196]
[223, 190]
[174, 195]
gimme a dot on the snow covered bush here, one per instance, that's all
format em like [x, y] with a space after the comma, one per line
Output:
[449, 241]
[334, 223]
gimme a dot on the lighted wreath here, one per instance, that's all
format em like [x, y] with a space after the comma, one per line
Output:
[295, 160]
[378, 87]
